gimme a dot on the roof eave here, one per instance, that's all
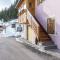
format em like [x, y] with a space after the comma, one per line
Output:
[19, 2]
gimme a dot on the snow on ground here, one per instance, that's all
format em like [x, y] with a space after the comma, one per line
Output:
[9, 31]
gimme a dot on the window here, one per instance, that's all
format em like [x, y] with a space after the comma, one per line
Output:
[30, 4]
[13, 25]
[51, 25]
[19, 29]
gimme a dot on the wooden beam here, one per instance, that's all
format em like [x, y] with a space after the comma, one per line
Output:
[20, 3]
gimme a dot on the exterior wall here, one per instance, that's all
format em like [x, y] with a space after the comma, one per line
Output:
[31, 35]
[23, 33]
[47, 9]
[22, 20]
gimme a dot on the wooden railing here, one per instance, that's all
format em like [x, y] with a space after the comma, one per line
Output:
[41, 34]
[22, 17]
[22, 12]
[33, 23]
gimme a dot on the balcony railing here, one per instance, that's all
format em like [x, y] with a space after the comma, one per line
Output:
[26, 15]
[33, 23]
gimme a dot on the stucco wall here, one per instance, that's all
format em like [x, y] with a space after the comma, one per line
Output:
[31, 35]
[50, 8]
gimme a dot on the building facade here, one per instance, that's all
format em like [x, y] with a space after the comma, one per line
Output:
[42, 20]
[23, 17]
[48, 14]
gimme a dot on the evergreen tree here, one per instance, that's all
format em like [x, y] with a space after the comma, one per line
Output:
[10, 13]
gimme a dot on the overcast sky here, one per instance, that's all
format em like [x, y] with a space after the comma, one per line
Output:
[5, 4]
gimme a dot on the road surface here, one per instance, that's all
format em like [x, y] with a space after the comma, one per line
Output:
[10, 49]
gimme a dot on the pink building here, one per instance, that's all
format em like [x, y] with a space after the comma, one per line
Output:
[50, 9]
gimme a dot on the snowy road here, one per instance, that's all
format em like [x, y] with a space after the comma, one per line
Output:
[12, 50]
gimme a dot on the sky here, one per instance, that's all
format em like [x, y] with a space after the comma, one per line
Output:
[5, 4]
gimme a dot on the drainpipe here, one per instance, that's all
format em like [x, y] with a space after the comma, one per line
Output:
[26, 26]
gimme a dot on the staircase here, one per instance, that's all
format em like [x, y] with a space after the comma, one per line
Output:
[43, 35]
[47, 42]
[40, 32]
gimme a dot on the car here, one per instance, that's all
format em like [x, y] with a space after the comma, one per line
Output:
[1, 28]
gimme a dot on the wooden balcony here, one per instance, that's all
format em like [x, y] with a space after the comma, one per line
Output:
[22, 19]
[33, 23]
[20, 3]
[22, 12]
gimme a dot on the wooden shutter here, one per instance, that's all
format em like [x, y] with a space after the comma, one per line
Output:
[51, 26]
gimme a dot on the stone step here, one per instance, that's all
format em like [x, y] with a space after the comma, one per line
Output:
[48, 43]
[45, 38]
[50, 47]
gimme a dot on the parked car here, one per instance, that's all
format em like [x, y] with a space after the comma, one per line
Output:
[13, 25]
[1, 28]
